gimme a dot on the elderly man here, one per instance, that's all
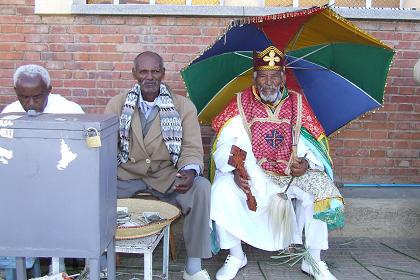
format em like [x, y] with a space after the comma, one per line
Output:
[32, 85]
[160, 152]
[267, 140]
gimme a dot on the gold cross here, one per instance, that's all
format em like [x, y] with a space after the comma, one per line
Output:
[271, 58]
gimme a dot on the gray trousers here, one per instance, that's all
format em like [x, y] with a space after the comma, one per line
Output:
[195, 207]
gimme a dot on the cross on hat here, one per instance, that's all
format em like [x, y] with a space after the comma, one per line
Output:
[269, 59]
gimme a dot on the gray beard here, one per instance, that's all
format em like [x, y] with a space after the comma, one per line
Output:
[271, 98]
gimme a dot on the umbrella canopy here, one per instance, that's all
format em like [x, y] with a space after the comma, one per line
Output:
[340, 69]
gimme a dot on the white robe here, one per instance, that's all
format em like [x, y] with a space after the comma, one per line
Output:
[234, 221]
[56, 105]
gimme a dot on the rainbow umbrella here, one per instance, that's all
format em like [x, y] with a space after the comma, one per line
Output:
[340, 69]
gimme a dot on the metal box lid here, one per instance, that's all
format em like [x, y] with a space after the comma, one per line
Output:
[71, 126]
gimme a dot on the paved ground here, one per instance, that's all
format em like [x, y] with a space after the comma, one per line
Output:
[348, 258]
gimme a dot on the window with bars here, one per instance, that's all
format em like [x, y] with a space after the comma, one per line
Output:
[213, 7]
[278, 3]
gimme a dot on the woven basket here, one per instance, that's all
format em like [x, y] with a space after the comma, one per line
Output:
[136, 207]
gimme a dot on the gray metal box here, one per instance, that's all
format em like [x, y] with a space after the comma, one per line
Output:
[57, 196]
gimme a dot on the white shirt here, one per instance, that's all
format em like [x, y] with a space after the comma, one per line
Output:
[56, 105]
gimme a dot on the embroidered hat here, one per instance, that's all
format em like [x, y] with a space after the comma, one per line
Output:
[269, 59]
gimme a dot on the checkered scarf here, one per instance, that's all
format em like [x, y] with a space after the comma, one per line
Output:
[170, 123]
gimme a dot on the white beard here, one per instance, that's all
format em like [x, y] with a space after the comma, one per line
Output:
[270, 98]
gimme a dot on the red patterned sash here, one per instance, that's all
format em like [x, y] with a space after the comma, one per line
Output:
[270, 132]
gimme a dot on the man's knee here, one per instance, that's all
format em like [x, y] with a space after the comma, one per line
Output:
[202, 189]
[128, 188]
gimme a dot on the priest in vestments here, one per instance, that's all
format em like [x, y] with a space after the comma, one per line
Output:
[286, 157]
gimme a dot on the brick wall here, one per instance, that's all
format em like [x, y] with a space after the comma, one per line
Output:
[89, 59]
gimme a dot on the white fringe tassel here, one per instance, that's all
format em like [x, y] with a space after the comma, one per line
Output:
[280, 213]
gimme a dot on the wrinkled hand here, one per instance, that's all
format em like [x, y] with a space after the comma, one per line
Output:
[299, 166]
[184, 180]
[242, 183]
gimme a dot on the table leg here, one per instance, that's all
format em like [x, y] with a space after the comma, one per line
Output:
[55, 265]
[21, 268]
[94, 269]
[148, 270]
[165, 264]
[110, 256]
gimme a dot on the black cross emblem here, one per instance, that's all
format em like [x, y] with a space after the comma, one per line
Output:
[274, 138]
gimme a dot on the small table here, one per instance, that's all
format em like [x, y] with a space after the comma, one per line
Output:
[143, 239]
[146, 246]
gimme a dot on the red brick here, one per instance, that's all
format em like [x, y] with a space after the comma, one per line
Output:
[162, 21]
[404, 135]
[12, 56]
[403, 116]
[12, 37]
[158, 30]
[185, 21]
[211, 31]
[54, 65]
[32, 29]
[57, 29]
[80, 75]
[56, 47]
[111, 20]
[352, 152]
[81, 38]
[105, 57]
[127, 66]
[6, 73]
[404, 126]
[34, 56]
[377, 162]
[80, 65]
[163, 40]
[59, 74]
[137, 21]
[8, 19]
[377, 153]
[184, 30]
[58, 38]
[403, 171]
[8, 28]
[352, 161]
[106, 39]
[85, 29]
[7, 10]
[25, 10]
[406, 90]
[107, 48]
[104, 84]
[79, 83]
[32, 19]
[6, 47]
[403, 153]
[60, 20]
[33, 38]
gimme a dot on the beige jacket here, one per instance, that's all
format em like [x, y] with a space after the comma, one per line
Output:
[148, 158]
